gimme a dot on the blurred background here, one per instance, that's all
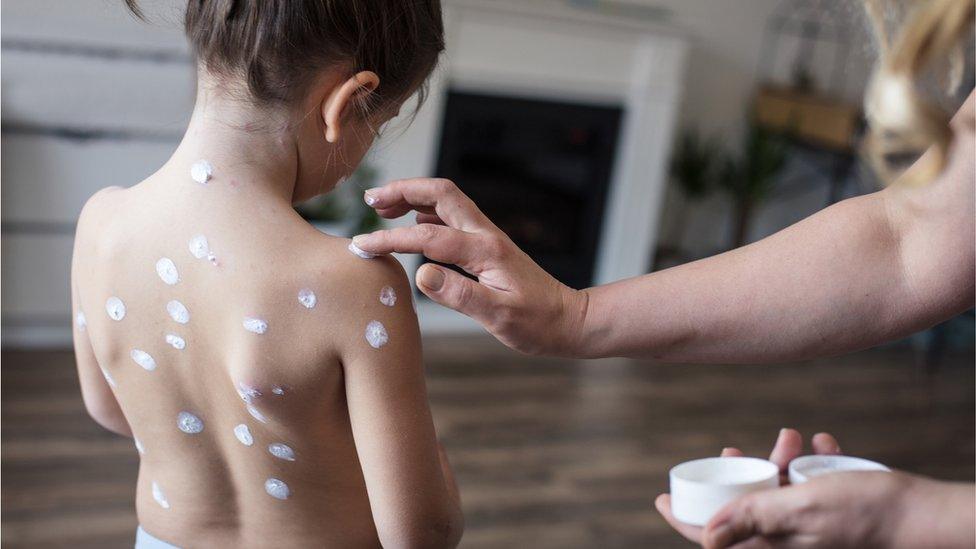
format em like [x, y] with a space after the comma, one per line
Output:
[608, 138]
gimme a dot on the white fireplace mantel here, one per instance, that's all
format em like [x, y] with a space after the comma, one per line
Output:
[545, 50]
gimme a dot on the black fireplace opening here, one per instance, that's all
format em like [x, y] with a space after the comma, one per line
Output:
[539, 169]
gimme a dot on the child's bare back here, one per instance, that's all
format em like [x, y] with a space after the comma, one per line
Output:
[238, 342]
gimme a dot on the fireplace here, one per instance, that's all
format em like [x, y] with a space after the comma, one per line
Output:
[539, 169]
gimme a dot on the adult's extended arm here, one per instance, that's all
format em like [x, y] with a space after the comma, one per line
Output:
[864, 271]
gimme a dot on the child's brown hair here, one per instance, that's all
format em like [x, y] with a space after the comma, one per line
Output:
[278, 46]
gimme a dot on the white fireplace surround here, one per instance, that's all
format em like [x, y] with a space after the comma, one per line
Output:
[548, 51]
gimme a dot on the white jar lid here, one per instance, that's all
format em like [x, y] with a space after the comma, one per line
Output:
[701, 487]
[805, 468]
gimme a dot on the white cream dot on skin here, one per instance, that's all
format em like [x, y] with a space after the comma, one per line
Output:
[276, 488]
[361, 253]
[139, 447]
[255, 325]
[201, 171]
[189, 423]
[80, 320]
[166, 270]
[176, 341]
[243, 434]
[108, 378]
[278, 390]
[307, 298]
[376, 334]
[115, 308]
[388, 296]
[281, 450]
[199, 247]
[256, 414]
[178, 312]
[144, 359]
[159, 496]
[247, 392]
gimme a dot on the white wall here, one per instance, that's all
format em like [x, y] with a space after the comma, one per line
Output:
[138, 88]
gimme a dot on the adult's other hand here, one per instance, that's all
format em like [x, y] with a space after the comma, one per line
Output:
[513, 298]
[788, 446]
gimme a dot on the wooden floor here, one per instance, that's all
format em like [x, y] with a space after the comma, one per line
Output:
[549, 453]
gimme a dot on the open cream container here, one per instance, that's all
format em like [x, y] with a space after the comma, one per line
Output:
[805, 468]
[701, 487]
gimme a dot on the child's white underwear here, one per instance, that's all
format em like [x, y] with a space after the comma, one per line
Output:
[145, 540]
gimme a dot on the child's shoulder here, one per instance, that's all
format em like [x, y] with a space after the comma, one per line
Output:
[95, 218]
[100, 204]
[338, 259]
[368, 298]
[354, 280]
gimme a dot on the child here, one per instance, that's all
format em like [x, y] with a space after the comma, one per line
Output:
[271, 379]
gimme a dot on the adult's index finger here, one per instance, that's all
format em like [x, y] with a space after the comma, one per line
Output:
[441, 195]
[436, 242]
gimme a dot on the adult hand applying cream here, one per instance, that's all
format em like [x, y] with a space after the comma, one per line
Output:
[864, 271]
[515, 300]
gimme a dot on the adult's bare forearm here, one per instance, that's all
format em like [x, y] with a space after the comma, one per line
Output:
[832, 283]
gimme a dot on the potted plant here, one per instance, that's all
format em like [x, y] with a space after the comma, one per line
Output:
[342, 211]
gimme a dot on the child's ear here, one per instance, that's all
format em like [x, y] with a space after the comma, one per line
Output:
[342, 98]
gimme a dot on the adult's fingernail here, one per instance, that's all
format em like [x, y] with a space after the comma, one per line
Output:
[370, 197]
[721, 536]
[360, 239]
[431, 278]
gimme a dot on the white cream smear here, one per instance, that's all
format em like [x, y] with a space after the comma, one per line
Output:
[307, 298]
[243, 434]
[388, 296]
[115, 308]
[276, 488]
[142, 358]
[139, 447]
[278, 390]
[159, 496]
[178, 312]
[201, 171]
[189, 423]
[166, 270]
[376, 334]
[361, 253]
[255, 325]
[256, 414]
[176, 341]
[108, 377]
[247, 392]
[281, 451]
[200, 249]
[80, 320]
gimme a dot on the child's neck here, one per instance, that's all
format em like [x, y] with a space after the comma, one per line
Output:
[256, 148]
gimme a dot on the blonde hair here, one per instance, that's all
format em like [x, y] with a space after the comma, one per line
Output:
[901, 121]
